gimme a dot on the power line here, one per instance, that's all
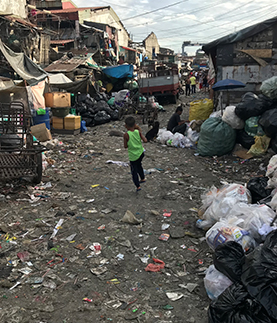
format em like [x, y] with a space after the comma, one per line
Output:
[196, 25]
[155, 10]
[224, 33]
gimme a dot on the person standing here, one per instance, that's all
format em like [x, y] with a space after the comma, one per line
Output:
[175, 124]
[187, 86]
[132, 141]
[205, 82]
[193, 84]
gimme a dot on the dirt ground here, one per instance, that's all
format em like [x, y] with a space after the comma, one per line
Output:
[124, 291]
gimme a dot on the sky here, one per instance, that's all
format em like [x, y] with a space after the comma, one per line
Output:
[197, 21]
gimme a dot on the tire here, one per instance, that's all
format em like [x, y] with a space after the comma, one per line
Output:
[38, 160]
[174, 99]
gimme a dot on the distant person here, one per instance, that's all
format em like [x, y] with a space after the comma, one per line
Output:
[175, 124]
[132, 141]
[205, 82]
[187, 86]
[193, 84]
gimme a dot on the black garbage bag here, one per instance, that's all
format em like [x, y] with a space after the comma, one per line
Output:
[257, 187]
[229, 259]
[267, 102]
[101, 117]
[244, 139]
[273, 144]
[260, 275]
[90, 101]
[89, 121]
[268, 121]
[114, 115]
[81, 109]
[102, 106]
[81, 98]
[235, 305]
[252, 106]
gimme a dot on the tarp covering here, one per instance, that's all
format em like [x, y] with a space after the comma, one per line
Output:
[83, 86]
[119, 71]
[23, 65]
[240, 35]
[59, 78]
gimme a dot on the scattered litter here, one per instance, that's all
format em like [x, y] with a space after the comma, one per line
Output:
[99, 270]
[164, 236]
[174, 296]
[159, 264]
[130, 218]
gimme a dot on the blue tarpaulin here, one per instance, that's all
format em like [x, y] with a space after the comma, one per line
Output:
[119, 71]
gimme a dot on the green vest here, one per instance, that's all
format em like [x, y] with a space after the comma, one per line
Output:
[135, 148]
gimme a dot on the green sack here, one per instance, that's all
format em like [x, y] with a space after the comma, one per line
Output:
[111, 101]
[216, 138]
[253, 128]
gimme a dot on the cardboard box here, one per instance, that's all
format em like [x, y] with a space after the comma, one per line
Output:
[57, 100]
[72, 122]
[41, 132]
[57, 123]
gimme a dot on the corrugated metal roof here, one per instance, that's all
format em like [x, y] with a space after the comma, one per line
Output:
[61, 41]
[66, 64]
[76, 9]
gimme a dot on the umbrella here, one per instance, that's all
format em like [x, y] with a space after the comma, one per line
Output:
[227, 84]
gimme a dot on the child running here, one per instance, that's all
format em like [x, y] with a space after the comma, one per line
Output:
[132, 141]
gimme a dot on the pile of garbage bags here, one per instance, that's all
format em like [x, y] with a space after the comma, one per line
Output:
[243, 287]
[95, 111]
[242, 282]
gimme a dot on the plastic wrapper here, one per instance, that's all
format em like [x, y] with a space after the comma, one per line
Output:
[215, 282]
[164, 136]
[253, 128]
[201, 109]
[260, 146]
[269, 88]
[223, 202]
[229, 259]
[223, 231]
[231, 118]
[216, 138]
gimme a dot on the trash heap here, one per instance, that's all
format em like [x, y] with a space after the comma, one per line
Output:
[97, 110]
[252, 123]
[242, 232]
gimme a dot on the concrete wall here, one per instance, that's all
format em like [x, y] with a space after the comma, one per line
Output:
[150, 43]
[106, 16]
[13, 7]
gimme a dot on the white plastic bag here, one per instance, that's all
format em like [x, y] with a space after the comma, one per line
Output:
[253, 217]
[224, 231]
[228, 196]
[164, 136]
[215, 282]
[272, 172]
[177, 140]
[231, 118]
[193, 136]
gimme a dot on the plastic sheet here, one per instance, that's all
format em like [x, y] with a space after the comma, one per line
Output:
[215, 282]
[164, 136]
[231, 118]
